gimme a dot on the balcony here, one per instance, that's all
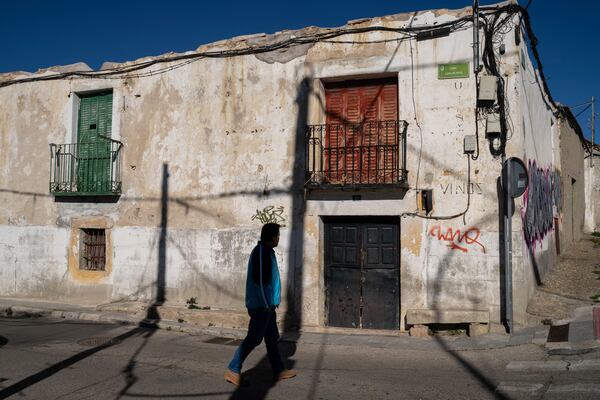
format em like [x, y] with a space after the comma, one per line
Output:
[86, 169]
[359, 155]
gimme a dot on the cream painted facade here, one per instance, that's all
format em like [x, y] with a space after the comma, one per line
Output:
[213, 141]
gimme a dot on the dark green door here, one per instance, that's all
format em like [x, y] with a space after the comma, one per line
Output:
[362, 272]
[93, 130]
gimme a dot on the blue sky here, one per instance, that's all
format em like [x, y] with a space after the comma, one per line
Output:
[37, 34]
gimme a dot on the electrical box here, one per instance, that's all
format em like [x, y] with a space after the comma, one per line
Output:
[487, 90]
[425, 200]
[470, 144]
[492, 126]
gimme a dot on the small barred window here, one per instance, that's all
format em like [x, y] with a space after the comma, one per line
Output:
[92, 249]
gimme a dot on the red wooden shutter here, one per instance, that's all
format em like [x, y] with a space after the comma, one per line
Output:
[388, 133]
[361, 125]
[335, 99]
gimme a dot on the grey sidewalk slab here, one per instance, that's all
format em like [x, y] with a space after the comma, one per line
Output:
[581, 331]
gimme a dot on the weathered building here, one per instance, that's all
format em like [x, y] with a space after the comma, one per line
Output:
[150, 179]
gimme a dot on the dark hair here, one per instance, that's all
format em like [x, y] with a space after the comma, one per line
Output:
[269, 231]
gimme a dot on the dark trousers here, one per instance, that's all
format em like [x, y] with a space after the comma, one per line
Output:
[262, 325]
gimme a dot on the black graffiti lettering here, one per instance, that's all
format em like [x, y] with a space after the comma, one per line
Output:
[269, 214]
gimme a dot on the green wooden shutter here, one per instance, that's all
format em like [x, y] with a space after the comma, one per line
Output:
[94, 126]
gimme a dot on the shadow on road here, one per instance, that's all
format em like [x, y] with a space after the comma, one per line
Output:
[145, 329]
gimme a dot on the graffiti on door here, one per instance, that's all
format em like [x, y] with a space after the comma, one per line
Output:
[457, 240]
[542, 200]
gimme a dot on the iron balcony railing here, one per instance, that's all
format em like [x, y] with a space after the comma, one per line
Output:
[356, 154]
[86, 169]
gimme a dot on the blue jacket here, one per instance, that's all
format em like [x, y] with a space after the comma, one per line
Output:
[263, 285]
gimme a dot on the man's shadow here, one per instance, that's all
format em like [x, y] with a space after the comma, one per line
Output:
[258, 381]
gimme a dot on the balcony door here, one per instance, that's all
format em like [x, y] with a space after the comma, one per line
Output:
[93, 145]
[362, 137]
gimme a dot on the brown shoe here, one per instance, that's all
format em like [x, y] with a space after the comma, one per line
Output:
[233, 377]
[286, 374]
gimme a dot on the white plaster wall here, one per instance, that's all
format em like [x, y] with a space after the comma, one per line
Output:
[34, 260]
[207, 264]
[432, 275]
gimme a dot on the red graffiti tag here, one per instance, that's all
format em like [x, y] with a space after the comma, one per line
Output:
[458, 240]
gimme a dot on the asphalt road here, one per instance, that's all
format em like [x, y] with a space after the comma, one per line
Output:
[49, 359]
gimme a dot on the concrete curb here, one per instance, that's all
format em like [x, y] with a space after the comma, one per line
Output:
[18, 311]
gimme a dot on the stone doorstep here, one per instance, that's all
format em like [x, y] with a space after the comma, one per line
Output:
[428, 316]
[333, 330]
[418, 319]
[475, 329]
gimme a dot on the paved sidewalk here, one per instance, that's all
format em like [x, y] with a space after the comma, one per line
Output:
[581, 336]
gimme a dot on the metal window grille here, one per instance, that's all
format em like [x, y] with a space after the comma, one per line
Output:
[367, 153]
[92, 249]
[86, 168]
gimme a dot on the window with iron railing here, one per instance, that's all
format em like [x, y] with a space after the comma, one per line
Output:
[369, 153]
[92, 165]
[86, 168]
[362, 142]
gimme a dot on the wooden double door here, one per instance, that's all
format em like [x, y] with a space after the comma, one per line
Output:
[362, 273]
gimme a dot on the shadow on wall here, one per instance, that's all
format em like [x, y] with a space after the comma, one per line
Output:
[146, 329]
[261, 373]
[293, 317]
[485, 381]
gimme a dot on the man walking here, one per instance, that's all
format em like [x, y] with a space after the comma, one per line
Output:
[263, 295]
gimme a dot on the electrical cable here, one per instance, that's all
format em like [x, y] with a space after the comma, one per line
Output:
[118, 73]
[582, 111]
[448, 217]
[412, 85]
[580, 105]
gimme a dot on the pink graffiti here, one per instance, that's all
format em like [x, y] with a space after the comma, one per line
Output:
[457, 240]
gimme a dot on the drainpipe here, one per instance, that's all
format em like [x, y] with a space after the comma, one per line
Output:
[508, 250]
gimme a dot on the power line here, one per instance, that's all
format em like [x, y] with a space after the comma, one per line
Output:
[125, 72]
[580, 112]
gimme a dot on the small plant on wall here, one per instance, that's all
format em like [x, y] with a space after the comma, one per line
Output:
[192, 304]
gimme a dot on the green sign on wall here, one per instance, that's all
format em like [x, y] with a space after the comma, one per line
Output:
[453, 71]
